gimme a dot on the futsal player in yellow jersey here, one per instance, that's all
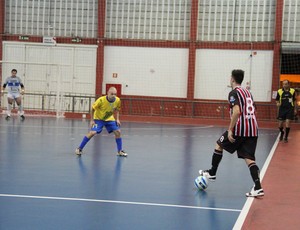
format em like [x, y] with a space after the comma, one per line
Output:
[102, 114]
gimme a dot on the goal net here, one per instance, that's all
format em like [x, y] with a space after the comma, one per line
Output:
[166, 58]
[46, 91]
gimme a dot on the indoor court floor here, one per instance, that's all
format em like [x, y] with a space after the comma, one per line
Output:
[44, 185]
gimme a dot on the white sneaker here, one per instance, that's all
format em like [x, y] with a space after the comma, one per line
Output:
[207, 175]
[78, 151]
[122, 153]
[255, 193]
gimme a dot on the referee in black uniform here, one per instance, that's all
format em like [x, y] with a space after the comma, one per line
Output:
[286, 103]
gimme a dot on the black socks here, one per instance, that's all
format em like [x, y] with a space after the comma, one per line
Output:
[254, 171]
[287, 130]
[216, 159]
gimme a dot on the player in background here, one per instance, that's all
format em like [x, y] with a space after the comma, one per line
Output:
[102, 114]
[241, 135]
[13, 84]
[287, 108]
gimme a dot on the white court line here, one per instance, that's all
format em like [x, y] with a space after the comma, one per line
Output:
[165, 128]
[123, 128]
[241, 219]
[118, 202]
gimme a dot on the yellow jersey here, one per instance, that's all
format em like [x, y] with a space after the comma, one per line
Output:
[104, 109]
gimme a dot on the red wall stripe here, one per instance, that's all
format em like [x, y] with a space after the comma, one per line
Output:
[277, 45]
[2, 16]
[100, 50]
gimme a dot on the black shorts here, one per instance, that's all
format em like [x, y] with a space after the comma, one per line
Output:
[245, 146]
[285, 113]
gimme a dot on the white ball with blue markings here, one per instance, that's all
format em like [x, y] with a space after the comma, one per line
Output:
[201, 182]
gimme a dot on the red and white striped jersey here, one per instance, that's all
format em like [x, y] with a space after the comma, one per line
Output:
[246, 126]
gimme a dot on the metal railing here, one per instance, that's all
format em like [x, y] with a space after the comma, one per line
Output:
[53, 103]
[189, 108]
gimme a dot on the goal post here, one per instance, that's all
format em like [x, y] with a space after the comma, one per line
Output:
[44, 91]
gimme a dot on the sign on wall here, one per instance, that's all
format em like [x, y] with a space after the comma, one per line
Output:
[49, 40]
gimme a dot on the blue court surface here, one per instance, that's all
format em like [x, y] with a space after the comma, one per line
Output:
[44, 185]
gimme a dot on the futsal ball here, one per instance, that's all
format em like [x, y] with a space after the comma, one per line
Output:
[201, 182]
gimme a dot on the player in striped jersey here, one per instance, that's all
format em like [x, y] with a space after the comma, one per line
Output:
[241, 135]
[13, 84]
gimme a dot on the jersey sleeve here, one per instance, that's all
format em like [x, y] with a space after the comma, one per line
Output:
[294, 96]
[97, 103]
[233, 99]
[277, 96]
[118, 107]
[5, 82]
[21, 82]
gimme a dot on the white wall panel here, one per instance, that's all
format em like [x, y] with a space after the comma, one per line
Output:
[85, 70]
[37, 78]
[16, 53]
[160, 72]
[213, 71]
[48, 69]
[62, 56]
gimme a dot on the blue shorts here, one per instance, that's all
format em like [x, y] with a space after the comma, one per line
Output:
[109, 125]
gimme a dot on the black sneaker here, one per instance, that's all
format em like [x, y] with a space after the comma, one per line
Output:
[22, 117]
[285, 140]
[7, 117]
[281, 136]
[255, 193]
[207, 175]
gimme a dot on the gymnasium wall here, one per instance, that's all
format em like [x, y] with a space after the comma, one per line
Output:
[166, 50]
